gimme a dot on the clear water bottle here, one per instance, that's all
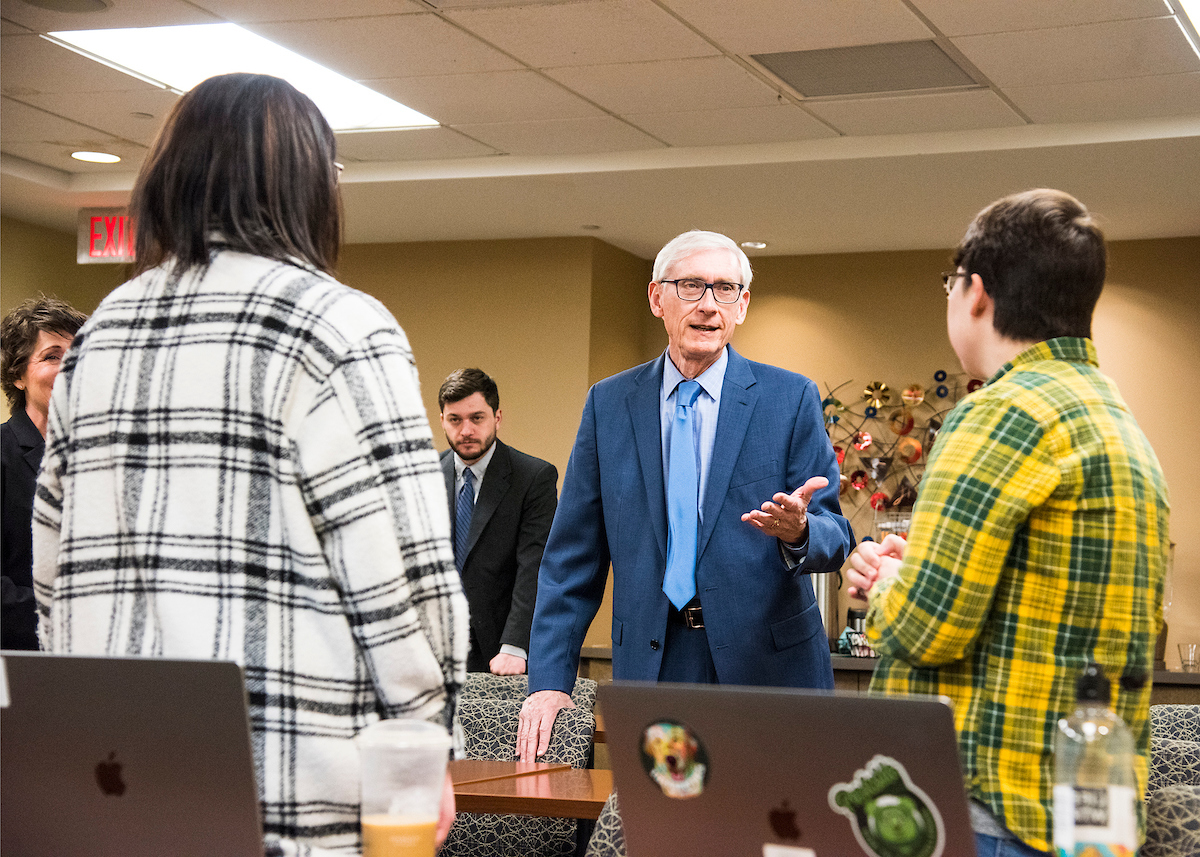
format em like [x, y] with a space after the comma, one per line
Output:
[1095, 788]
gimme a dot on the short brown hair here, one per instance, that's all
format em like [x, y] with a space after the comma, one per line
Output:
[244, 161]
[19, 334]
[1042, 260]
[466, 382]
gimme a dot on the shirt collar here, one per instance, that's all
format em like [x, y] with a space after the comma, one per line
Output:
[479, 468]
[1073, 349]
[711, 379]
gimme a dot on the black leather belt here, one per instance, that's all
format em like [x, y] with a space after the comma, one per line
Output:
[692, 616]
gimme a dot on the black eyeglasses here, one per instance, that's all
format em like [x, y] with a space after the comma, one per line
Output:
[949, 278]
[693, 290]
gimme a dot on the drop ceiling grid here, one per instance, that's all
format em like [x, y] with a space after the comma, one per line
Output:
[388, 47]
[488, 97]
[769, 26]
[956, 18]
[588, 33]
[667, 85]
[1106, 51]
[587, 135]
[918, 114]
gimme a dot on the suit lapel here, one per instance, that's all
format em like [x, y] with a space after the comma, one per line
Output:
[644, 411]
[495, 486]
[738, 398]
[448, 475]
[30, 439]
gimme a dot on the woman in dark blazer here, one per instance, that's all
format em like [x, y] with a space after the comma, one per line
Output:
[34, 336]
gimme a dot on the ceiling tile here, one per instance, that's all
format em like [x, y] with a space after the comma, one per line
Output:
[562, 136]
[770, 26]
[775, 123]
[1091, 52]
[30, 65]
[25, 124]
[411, 144]
[392, 46]
[8, 28]
[113, 112]
[1107, 100]
[588, 33]
[249, 11]
[503, 96]
[476, 4]
[59, 155]
[654, 87]
[126, 13]
[956, 18]
[917, 114]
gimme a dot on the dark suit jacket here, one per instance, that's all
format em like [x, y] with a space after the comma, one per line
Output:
[21, 448]
[763, 624]
[504, 548]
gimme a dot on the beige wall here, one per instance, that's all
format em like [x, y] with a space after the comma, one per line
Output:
[548, 317]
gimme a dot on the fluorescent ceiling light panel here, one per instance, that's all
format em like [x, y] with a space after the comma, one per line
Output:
[1190, 10]
[181, 57]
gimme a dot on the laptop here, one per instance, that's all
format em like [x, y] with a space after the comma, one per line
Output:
[125, 756]
[722, 771]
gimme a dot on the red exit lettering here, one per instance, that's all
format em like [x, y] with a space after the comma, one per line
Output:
[109, 236]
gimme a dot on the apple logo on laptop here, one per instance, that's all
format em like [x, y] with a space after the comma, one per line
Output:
[783, 822]
[108, 776]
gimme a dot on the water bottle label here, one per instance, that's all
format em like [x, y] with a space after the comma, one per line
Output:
[1098, 822]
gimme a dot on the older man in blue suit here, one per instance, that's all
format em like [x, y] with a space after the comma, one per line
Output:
[710, 485]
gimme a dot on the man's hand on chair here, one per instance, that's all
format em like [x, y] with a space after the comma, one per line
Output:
[537, 722]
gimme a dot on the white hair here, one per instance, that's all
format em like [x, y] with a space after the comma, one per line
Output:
[684, 245]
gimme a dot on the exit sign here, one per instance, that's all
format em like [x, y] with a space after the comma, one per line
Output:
[103, 235]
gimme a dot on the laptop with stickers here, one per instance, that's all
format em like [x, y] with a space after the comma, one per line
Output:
[722, 771]
[125, 756]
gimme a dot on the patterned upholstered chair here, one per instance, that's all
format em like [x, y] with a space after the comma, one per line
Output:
[1173, 822]
[1177, 722]
[490, 732]
[488, 686]
[608, 839]
[1173, 793]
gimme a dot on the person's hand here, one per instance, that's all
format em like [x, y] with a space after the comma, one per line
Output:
[504, 664]
[872, 562]
[446, 813]
[785, 516]
[537, 722]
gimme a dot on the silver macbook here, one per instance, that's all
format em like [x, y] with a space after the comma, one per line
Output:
[125, 756]
[721, 771]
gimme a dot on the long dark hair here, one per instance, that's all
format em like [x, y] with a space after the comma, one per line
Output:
[246, 161]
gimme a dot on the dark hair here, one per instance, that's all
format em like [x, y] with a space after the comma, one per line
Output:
[19, 334]
[245, 161]
[1042, 260]
[466, 382]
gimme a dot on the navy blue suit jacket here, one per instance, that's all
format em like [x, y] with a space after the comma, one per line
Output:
[762, 621]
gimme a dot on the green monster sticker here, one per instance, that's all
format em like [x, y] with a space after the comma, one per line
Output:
[891, 817]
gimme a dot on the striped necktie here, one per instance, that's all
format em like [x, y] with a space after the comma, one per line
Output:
[463, 510]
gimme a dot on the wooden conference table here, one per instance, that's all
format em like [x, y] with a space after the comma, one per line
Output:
[530, 788]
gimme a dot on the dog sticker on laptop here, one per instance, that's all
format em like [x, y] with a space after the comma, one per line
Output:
[890, 816]
[674, 759]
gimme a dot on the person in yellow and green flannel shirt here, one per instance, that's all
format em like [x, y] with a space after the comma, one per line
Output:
[1039, 537]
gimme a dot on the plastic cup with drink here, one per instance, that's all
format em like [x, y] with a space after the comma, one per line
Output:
[403, 775]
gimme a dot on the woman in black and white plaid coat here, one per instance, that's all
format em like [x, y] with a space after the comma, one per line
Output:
[239, 465]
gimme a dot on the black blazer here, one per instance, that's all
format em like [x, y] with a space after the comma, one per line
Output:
[21, 447]
[509, 527]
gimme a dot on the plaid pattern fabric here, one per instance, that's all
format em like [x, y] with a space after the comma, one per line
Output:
[239, 466]
[1038, 543]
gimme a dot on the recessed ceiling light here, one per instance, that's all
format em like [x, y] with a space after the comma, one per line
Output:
[95, 157]
[754, 245]
[1191, 12]
[178, 58]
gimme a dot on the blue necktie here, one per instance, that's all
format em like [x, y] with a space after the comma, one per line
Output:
[683, 491]
[463, 510]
